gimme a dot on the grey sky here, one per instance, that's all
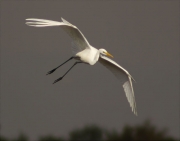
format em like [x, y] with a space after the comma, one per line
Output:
[143, 37]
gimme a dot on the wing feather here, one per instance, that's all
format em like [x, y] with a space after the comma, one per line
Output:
[76, 35]
[124, 77]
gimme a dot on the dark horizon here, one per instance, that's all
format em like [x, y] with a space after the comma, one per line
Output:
[144, 131]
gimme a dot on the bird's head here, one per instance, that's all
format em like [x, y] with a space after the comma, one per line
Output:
[104, 52]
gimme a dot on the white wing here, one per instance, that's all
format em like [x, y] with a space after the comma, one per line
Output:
[124, 77]
[79, 40]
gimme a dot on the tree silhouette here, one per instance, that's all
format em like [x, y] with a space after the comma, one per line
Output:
[144, 131]
[90, 132]
[21, 137]
[50, 138]
[2, 138]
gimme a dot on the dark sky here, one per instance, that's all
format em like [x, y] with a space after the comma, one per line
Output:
[143, 37]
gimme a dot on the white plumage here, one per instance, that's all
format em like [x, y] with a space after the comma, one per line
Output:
[86, 53]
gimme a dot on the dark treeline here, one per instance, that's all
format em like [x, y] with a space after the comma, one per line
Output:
[144, 131]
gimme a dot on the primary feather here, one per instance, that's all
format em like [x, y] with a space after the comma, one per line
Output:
[124, 77]
[76, 35]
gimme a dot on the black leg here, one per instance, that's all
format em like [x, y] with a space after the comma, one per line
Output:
[66, 72]
[59, 66]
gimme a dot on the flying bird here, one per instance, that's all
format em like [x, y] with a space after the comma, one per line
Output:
[83, 52]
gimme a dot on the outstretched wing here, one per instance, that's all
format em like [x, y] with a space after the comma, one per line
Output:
[124, 77]
[78, 38]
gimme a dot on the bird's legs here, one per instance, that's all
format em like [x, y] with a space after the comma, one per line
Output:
[59, 66]
[66, 72]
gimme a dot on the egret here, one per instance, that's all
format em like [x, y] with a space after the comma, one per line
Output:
[83, 52]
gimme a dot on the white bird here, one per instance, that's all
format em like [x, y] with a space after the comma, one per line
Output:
[86, 53]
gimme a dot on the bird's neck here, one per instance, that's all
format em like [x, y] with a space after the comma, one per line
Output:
[94, 56]
[97, 55]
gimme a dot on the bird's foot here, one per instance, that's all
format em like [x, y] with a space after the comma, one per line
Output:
[58, 80]
[51, 71]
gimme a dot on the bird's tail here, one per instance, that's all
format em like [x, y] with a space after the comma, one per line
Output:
[42, 22]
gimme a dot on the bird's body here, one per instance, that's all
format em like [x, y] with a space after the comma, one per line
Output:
[86, 53]
[90, 55]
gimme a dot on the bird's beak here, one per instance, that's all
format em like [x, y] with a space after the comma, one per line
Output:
[108, 54]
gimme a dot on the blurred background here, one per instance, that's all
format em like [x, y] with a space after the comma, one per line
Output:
[143, 37]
